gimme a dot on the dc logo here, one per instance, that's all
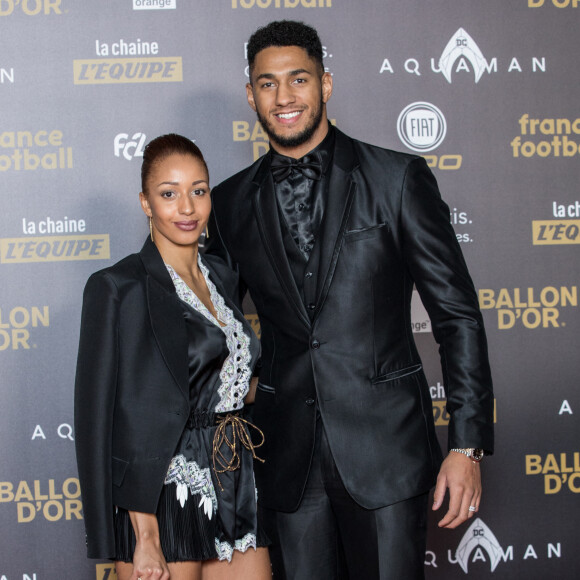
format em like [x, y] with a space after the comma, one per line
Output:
[421, 127]
[129, 148]
[478, 538]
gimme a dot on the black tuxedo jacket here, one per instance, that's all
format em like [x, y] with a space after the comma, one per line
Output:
[132, 386]
[385, 228]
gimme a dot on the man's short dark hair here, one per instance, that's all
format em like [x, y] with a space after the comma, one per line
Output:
[285, 33]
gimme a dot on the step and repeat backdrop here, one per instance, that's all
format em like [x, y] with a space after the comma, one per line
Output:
[488, 92]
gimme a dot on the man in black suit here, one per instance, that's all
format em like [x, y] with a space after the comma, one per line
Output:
[329, 235]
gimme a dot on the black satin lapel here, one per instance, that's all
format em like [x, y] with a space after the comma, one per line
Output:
[154, 265]
[341, 192]
[169, 330]
[166, 316]
[268, 219]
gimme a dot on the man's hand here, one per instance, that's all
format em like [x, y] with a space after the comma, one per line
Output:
[463, 478]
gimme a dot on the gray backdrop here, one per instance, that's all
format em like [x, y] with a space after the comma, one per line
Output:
[487, 91]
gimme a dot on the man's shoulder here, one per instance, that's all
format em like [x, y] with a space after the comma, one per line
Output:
[369, 151]
[239, 179]
[378, 166]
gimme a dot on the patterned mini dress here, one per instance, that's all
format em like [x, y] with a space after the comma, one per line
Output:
[208, 505]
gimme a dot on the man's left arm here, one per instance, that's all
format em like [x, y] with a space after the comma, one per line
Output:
[214, 246]
[435, 262]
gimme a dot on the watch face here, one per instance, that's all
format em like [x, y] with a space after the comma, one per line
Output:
[477, 454]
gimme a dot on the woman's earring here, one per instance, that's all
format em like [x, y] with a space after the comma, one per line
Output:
[151, 228]
[206, 232]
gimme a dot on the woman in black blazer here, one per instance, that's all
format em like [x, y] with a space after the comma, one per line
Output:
[165, 361]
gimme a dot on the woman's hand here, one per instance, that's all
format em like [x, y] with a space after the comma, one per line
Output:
[148, 560]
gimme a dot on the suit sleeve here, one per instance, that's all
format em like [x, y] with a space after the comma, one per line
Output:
[215, 245]
[437, 266]
[95, 387]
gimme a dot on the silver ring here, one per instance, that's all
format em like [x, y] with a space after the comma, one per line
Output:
[471, 509]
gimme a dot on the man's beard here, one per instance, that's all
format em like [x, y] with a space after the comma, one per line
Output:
[299, 138]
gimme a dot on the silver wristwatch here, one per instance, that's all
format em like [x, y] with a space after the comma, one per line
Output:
[474, 454]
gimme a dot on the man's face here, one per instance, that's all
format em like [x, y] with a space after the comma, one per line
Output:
[289, 96]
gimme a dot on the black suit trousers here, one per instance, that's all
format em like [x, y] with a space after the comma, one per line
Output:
[331, 537]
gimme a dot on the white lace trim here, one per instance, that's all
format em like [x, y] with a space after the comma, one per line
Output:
[188, 476]
[236, 373]
[225, 551]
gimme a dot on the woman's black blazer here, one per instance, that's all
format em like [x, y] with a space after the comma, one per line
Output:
[132, 386]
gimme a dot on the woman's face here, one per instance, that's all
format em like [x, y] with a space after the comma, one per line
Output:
[177, 200]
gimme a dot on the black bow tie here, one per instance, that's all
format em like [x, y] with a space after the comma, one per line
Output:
[310, 166]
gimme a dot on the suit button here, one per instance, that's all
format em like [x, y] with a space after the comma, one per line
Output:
[311, 306]
[309, 401]
[315, 344]
[308, 275]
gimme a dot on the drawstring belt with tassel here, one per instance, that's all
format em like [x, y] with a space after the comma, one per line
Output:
[239, 436]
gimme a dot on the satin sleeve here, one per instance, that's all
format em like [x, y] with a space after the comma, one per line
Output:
[214, 246]
[95, 387]
[436, 264]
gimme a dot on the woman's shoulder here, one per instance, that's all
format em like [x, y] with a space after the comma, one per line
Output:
[128, 269]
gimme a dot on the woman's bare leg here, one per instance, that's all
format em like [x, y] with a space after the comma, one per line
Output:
[249, 565]
[178, 571]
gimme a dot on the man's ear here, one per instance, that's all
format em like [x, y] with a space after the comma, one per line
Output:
[250, 96]
[326, 81]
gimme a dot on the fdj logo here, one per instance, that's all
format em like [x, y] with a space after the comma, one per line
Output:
[132, 148]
